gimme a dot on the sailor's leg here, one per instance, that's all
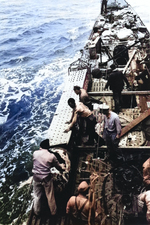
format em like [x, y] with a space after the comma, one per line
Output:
[102, 7]
[49, 191]
[105, 6]
[117, 152]
[109, 144]
[37, 194]
[116, 97]
[91, 122]
[120, 101]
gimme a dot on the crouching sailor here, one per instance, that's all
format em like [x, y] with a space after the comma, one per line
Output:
[43, 161]
[83, 115]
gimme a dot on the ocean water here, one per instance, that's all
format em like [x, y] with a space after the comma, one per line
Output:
[38, 41]
[142, 9]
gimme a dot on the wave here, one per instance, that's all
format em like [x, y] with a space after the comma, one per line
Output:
[10, 41]
[29, 103]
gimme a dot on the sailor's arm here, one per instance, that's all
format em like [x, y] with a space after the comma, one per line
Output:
[74, 119]
[68, 122]
[70, 204]
[57, 165]
[118, 127]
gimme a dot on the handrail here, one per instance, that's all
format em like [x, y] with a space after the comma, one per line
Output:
[110, 93]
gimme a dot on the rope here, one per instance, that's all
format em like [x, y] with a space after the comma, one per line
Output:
[91, 196]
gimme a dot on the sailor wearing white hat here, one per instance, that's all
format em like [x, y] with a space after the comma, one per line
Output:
[103, 106]
[112, 131]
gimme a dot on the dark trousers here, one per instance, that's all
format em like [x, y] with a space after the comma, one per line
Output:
[91, 122]
[104, 6]
[112, 146]
[85, 127]
[118, 100]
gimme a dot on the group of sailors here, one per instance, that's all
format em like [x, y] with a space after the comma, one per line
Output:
[83, 122]
[44, 160]
[78, 207]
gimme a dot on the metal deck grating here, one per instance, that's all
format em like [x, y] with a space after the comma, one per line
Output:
[98, 85]
[134, 138]
[64, 112]
[131, 113]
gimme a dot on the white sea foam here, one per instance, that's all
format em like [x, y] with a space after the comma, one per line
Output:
[3, 119]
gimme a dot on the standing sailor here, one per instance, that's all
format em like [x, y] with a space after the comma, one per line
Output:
[43, 161]
[104, 6]
[116, 83]
[112, 131]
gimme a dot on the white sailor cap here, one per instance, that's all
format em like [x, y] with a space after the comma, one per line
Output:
[103, 106]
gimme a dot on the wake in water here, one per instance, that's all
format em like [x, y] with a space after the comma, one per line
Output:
[37, 47]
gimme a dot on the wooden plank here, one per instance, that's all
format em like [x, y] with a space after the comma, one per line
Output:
[129, 61]
[127, 118]
[143, 103]
[135, 122]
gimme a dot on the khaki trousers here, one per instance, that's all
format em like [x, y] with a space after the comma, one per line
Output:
[38, 191]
